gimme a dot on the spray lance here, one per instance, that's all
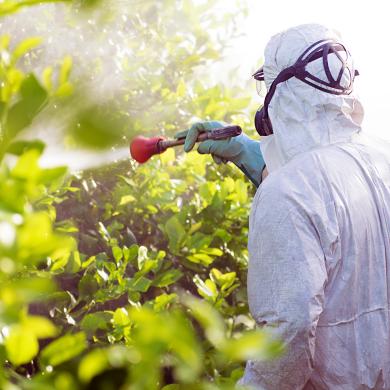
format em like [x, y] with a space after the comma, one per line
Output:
[142, 148]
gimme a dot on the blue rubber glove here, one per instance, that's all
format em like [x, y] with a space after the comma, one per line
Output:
[241, 150]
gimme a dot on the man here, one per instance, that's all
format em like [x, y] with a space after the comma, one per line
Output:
[319, 240]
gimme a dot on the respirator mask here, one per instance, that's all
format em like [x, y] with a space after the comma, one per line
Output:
[333, 85]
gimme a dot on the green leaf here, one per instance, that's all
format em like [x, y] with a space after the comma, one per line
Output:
[26, 289]
[201, 258]
[37, 240]
[207, 289]
[147, 266]
[126, 199]
[27, 166]
[21, 345]
[96, 128]
[200, 241]
[167, 278]
[88, 262]
[74, 263]
[12, 6]
[130, 254]
[21, 114]
[94, 321]
[92, 364]
[63, 349]
[207, 191]
[254, 345]
[66, 67]
[47, 76]
[88, 286]
[162, 301]
[47, 176]
[25, 46]
[152, 209]
[210, 320]
[142, 256]
[64, 90]
[175, 232]
[19, 147]
[223, 280]
[212, 251]
[117, 253]
[121, 317]
[195, 227]
[141, 284]
[41, 327]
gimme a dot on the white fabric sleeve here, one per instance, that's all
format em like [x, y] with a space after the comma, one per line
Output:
[286, 280]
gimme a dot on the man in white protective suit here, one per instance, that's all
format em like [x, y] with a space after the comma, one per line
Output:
[319, 234]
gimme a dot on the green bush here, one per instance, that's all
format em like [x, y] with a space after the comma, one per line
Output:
[125, 276]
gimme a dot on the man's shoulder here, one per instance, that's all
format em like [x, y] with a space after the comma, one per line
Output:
[294, 187]
[297, 175]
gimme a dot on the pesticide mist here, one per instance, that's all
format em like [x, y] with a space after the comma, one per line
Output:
[122, 63]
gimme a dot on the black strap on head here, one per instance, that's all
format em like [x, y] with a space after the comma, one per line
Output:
[323, 49]
[314, 52]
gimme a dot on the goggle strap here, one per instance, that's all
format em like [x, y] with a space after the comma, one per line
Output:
[315, 55]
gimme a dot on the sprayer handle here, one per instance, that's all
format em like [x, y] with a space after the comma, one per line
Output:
[216, 134]
[222, 133]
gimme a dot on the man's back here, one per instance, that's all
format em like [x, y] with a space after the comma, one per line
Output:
[321, 271]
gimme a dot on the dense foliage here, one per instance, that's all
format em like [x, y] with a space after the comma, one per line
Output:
[125, 276]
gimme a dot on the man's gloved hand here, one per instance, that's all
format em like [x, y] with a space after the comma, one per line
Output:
[241, 150]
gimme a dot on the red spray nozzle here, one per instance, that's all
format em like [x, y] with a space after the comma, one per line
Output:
[142, 148]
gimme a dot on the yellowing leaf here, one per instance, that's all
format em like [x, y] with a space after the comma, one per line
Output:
[24, 47]
[195, 227]
[65, 69]
[63, 349]
[121, 317]
[126, 199]
[181, 88]
[47, 75]
[35, 231]
[21, 345]
[41, 327]
[65, 90]
[201, 258]
[15, 78]
[92, 364]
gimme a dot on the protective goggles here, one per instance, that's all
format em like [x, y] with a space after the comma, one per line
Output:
[317, 50]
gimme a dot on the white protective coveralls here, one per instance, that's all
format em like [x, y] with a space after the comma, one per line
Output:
[319, 238]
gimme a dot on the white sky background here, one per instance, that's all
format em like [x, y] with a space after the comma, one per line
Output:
[364, 26]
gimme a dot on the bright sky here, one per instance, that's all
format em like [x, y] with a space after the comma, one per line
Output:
[365, 27]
